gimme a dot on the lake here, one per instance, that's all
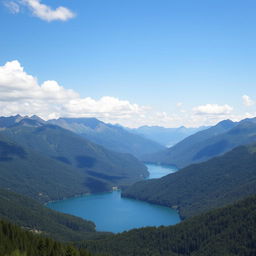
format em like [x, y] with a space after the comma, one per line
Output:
[158, 171]
[111, 212]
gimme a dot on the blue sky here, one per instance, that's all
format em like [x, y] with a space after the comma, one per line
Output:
[166, 62]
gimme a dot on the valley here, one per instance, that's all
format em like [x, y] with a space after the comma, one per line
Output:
[127, 128]
[102, 199]
[113, 213]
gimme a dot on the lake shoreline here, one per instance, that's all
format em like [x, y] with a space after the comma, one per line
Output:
[124, 213]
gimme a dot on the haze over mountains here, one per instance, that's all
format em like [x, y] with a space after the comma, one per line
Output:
[208, 143]
[110, 136]
[166, 136]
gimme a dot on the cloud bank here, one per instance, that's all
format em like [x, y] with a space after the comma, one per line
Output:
[41, 10]
[21, 93]
[213, 109]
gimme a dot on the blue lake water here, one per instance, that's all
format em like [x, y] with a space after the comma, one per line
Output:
[158, 171]
[111, 212]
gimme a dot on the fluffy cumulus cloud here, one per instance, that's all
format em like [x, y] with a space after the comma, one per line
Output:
[213, 109]
[247, 101]
[21, 93]
[41, 10]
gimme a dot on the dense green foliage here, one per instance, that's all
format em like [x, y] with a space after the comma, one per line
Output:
[208, 143]
[110, 136]
[204, 186]
[229, 231]
[47, 162]
[15, 241]
[37, 175]
[28, 213]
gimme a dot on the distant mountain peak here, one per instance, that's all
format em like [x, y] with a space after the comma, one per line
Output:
[37, 118]
[90, 122]
[251, 120]
[226, 123]
[9, 121]
[30, 122]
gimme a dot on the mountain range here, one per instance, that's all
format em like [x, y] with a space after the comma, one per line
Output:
[208, 143]
[204, 186]
[48, 162]
[113, 137]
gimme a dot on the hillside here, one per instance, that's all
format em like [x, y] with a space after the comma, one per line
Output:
[30, 173]
[15, 241]
[110, 136]
[209, 143]
[200, 187]
[48, 162]
[166, 136]
[31, 215]
[228, 231]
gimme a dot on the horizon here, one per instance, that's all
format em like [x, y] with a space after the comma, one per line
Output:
[146, 63]
[116, 124]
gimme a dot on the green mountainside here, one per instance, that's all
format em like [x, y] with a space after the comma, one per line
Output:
[200, 187]
[110, 136]
[15, 241]
[228, 231]
[31, 215]
[33, 174]
[48, 162]
[206, 144]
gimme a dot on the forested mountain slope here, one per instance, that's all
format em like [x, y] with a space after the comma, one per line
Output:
[228, 231]
[209, 143]
[200, 187]
[15, 241]
[30, 214]
[110, 136]
[48, 162]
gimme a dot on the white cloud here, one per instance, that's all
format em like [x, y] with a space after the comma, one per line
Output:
[21, 93]
[41, 10]
[12, 6]
[247, 101]
[213, 109]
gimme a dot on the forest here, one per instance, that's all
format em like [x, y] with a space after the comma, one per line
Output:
[226, 231]
[15, 241]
